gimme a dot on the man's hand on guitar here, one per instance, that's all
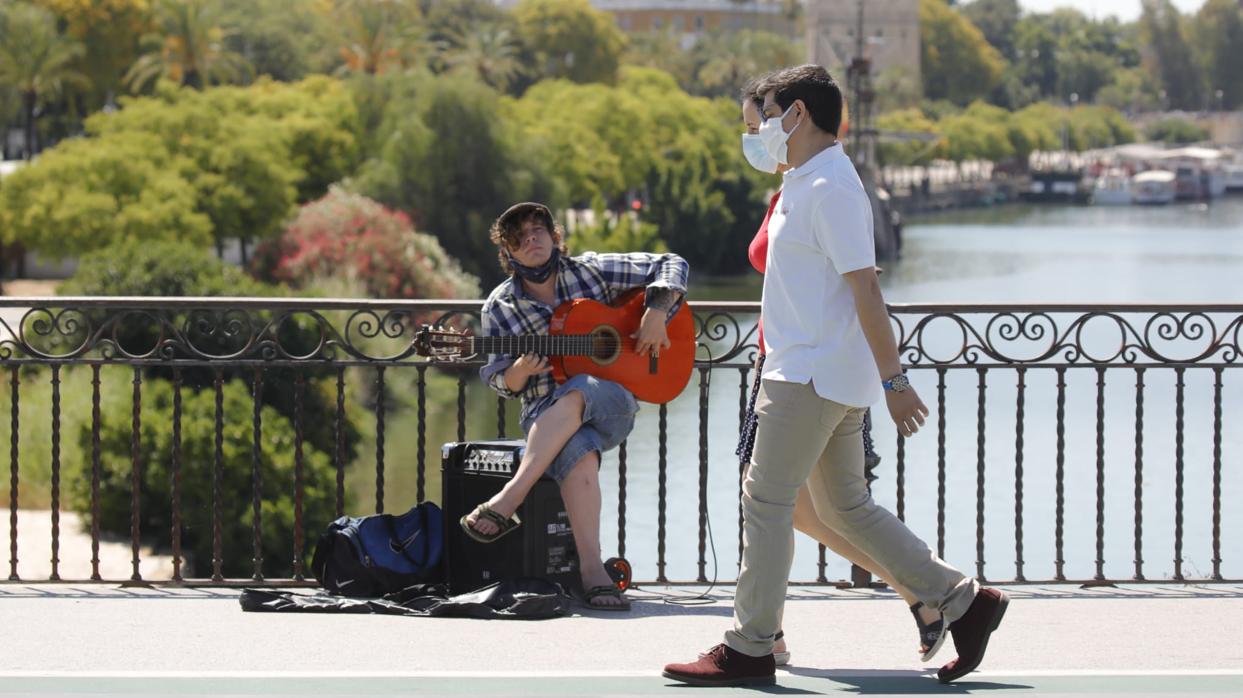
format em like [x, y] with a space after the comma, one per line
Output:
[652, 335]
[523, 368]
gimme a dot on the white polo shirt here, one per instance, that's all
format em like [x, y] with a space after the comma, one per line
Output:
[820, 229]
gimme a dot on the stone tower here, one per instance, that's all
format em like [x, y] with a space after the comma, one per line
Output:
[890, 30]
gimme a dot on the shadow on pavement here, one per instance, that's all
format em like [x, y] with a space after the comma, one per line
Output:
[866, 682]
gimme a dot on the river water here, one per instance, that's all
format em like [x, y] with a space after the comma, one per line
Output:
[1012, 254]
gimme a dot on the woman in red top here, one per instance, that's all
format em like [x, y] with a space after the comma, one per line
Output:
[930, 623]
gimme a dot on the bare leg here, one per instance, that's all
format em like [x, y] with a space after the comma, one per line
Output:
[806, 521]
[580, 490]
[547, 437]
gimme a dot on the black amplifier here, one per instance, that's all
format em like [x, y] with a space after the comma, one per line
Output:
[543, 546]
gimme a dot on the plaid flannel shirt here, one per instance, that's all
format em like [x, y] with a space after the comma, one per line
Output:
[602, 277]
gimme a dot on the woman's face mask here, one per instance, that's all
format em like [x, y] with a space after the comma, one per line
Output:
[774, 136]
[757, 155]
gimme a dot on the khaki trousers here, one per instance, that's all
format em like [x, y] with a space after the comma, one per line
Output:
[804, 438]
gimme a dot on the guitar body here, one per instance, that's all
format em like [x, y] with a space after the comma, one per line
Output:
[616, 359]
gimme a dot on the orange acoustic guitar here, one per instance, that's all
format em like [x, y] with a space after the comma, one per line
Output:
[587, 336]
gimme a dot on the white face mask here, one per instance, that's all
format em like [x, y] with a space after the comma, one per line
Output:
[774, 136]
[757, 155]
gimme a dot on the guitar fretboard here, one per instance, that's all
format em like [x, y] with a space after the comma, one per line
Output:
[544, 345]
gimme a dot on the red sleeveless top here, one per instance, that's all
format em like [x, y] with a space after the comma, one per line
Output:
[757, 252]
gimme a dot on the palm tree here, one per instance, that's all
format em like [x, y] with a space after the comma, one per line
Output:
[377, 35]
[36, 61]
[489, 52]
[188, 47]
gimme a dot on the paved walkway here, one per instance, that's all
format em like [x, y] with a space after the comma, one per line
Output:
[88, 640]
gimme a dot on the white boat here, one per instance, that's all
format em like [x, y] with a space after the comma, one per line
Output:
[1112, 188]
[1154, 187]
[1234, 177]
[1198, 172]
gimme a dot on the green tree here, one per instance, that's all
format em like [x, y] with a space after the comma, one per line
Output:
[1084, 73]
[615, 232]
[1133, 90]
[445, 19]
[1161, 26]
[180, 269]
[1033, 128]
[569, 39]
[1088, 53]
[222, 163]
[1219, 36]
[242, 175]
[704, 198]
[110, 32]
[283, 40]
[257, 150]
[896, 150]
[36, 61]
[445, 155]
[489, 52]
[172, 268]
[188, 47]
[728, 60]
[378, 35]
[1035, 46]
[663, 51]
[897, 88]
[315, 118]
[1175, 131]
[648, 141]
[597, 139]
[957, 61]
[996, 19]
[276, 468]
[978, 133]
[86, 194]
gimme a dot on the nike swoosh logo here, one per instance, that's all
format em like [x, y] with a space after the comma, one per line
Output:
[397, 547]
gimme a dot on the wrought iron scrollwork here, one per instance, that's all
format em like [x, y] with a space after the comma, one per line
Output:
[231, 330]
[1086, 336]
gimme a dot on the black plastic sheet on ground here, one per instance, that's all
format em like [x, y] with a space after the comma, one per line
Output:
[519, 599]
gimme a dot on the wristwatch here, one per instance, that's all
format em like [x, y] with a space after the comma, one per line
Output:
[897, 384]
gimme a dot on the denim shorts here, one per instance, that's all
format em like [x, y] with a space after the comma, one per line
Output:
[608, 417]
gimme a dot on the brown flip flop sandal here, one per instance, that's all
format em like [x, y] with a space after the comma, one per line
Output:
[483, 511]
[605, 590]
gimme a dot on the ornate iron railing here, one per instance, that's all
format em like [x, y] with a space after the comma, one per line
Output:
[337, 358]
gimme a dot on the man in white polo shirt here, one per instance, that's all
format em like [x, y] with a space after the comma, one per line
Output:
[831, 354]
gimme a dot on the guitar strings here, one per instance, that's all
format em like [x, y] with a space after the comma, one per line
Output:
[583, 343]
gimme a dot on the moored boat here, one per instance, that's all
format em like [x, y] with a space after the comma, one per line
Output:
[1154, 187]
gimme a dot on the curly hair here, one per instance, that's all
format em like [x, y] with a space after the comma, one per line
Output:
[507, 229]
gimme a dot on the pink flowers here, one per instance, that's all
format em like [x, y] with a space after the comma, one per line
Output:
[349, 237]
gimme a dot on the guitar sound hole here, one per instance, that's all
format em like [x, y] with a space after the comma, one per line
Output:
[605, 345]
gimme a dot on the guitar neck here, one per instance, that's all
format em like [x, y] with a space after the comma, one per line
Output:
[544, 345]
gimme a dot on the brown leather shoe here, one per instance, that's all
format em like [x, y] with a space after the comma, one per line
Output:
[971, 633]
[722, 666]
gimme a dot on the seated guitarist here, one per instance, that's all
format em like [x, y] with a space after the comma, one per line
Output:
[570, 425]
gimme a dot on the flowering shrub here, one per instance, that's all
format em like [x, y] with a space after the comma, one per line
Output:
[349, 237]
